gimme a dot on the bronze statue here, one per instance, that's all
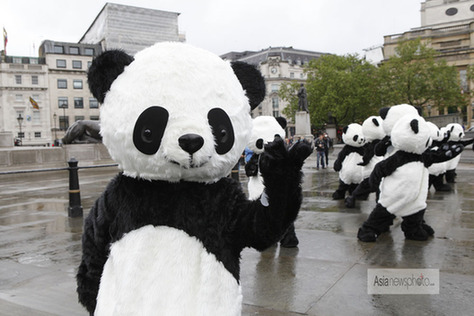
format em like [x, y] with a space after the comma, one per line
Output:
[83, 132]
[302, 99]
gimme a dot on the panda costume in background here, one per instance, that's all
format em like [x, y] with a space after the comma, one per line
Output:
[348, 160]
[438, 170]
[373, 131]
[456, 135]
[402, 180]
[264, 129]
[165, 236]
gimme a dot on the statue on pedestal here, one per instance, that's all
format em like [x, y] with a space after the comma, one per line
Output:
[302, 99]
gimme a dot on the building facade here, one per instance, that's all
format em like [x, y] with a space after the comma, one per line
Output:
[448, 27]
[131, 28]
[24, 101]
[69, 95]
[278, 65]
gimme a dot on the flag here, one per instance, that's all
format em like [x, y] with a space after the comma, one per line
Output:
[5, 40]
[34, 103]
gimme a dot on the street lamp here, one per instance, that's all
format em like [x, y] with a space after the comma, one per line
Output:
[20, 121]
[55, 135]
[429, 110]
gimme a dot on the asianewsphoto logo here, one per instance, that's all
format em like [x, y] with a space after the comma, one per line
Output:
[403, 281]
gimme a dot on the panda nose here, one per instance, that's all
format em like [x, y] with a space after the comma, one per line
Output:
[191, 143]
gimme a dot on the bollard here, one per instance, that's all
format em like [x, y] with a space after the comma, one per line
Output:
[75, 207]
[235, 172]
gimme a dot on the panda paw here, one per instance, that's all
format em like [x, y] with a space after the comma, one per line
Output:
[274, 156]
[454, 150]
[299, 152]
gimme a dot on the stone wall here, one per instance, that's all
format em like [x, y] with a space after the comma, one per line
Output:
[27, 158]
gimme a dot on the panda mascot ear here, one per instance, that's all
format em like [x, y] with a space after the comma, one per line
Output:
[281, 121]
[383, 112]
[104, 70]
[344, 130]
[251, 80]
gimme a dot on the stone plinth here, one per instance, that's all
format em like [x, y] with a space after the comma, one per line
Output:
[303, 126]
[6, 139]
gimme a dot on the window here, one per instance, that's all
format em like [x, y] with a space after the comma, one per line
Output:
[17, 60]
[63, 123]
[18, 79]
[301, 75]
[21, 135]
[37, 134]
[74, 50]
[58, 49]
[275, 104]
[62, 84]
[61, 63]
[463, 79]
[78, 118]
[93, 104]
[274, 87]
[94, 118]
[78, 103]
[36, 117]
[451, 11]
[62, 102]
[89, 63]
[77, 64]
[292, 74]
[19, 97]
[89, 51]
[77, 84]
[34, 79]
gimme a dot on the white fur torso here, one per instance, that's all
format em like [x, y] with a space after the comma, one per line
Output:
[255, 186]
[371, 165]
[453, 163]
[164, 271]
[350, 171]
[404, 192]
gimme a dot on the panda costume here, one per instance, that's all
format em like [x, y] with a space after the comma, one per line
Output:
[456, 135]
[348, 161]
[438, 170]
[165, 236]
[402, 180]
[264, 129]
[373, 131]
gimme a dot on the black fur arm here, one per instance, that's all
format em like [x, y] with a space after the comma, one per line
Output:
[340, 158]
[369, 152]
[382, 146]
[95, 247]
[466, 142]
[262, 222]
[251, 167]
[443, 153]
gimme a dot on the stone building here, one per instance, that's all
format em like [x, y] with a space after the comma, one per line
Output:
[21, 118]
[69, 95]
[277, 65]
[448, 27]
[131, 28]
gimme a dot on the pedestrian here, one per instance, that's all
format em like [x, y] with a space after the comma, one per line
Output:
[328, 143]
[320, 151]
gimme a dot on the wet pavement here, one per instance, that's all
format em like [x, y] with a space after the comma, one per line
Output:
[40, 250]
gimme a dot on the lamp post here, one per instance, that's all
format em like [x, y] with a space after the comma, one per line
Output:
[55, 132]
[429, 110]
[20, 121]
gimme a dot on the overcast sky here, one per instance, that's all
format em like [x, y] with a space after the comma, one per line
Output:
[330, 26]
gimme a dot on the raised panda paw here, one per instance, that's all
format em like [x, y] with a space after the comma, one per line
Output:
[277, 158]
[454, 150]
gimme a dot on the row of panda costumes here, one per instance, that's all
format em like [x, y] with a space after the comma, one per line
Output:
[165, 237]
[396, 165]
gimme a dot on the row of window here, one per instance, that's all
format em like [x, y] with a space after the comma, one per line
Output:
[22, 135]
[76, 83]
[73, 50]
[19, 79]
[76, 64]
[63, 103]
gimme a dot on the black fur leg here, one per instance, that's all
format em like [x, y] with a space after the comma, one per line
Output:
[290, 240]
[450, 176]
[379, 221]
[340, 193]
[350, 201]
[412, 227]
[439, 185]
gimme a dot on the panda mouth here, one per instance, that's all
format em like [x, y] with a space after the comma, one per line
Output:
[191, 165]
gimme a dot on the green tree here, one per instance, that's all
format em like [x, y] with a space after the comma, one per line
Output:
[341, 87]
[415, 75]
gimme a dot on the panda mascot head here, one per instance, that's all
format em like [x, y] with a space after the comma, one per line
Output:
[372, 128]
[411, 134]
[175, 112]
[456, 132]
[352, 135]
[390, 115]
[435, 133]
[264, 129]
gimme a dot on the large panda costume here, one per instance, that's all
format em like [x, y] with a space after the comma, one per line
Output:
[166, 235]
[351, 173]
[264, 129]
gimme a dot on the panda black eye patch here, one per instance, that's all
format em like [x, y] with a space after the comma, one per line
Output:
[149, 129]
[222, 130]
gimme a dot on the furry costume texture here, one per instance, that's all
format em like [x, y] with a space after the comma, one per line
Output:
[166, 234]
[348, 160]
